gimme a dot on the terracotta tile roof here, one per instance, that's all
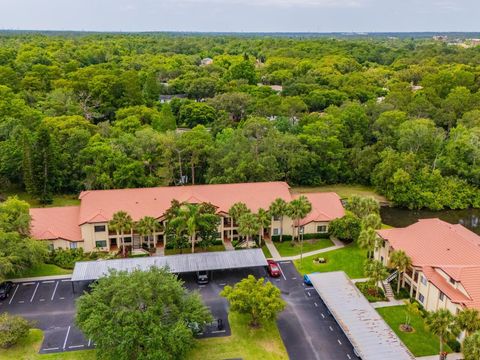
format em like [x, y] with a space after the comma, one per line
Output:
[326, 206]
[155, 201]
[56, 223]
[100, 205]
[442, 284]
[433, 243]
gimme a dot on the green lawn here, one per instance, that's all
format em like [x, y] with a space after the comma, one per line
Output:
[344, 191]
[42, 270]
[58, 200]
[290, 248]
[349, 259]
[266, 252]
[27, 349]
[420, 342]
[244, 343]
[197, 250]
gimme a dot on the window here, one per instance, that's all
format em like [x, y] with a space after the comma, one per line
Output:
[101, 243]
[452, 281]
[128, 239]
[423, 280]
[50, 247]
[321, 228]
[421, 298]
[73, 245]
[276, 218]
[99, 228]
[276, 231]
[441, 296]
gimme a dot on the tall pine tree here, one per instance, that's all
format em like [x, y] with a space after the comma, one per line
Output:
[44, 166]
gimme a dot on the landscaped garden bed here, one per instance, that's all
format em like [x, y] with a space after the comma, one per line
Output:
[350, 259]
[372, 294]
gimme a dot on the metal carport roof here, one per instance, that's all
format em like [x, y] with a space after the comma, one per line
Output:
[92, 270]
[370, 335]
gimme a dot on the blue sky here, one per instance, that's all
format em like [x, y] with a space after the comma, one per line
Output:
[242, 15]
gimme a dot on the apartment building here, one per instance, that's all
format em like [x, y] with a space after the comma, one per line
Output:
[445, 271]
[86, 225]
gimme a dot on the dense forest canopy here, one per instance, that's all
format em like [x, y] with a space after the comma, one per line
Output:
[111, 111]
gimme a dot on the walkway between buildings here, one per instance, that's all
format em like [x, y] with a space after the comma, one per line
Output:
[452, 356]
[276, 255]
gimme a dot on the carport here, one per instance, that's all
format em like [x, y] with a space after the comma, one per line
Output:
[369, 334]
[184, 263]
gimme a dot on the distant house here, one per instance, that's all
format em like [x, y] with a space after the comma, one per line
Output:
[206, 61]
[276, 88]
[167, 98]
[87, 225]
[445, 271]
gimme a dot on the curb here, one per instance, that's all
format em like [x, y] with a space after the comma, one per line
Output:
[41, 278]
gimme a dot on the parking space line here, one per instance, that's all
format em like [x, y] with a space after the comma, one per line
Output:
[309, 288]
[28, 283]
[50, 349]
[11, 299]
[42, 299]
[66, 338]
[65, 280]
[48, 281]
[348, 356]
[76, 346]
[331, 329]
[36, 287]
[54, 290]
[281, 272]
[323, 316]
[316, 305]
[308, 292]
[21, 302]
[339, 342]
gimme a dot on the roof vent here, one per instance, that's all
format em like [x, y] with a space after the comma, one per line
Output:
[448, 249]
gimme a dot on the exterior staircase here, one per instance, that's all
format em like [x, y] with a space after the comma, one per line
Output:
[388, 290]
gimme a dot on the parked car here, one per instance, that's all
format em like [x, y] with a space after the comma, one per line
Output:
[5, 289]
[307, 280]
[202, 277]
[273, 268]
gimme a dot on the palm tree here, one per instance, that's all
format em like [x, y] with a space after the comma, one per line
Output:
[411, 308]
[376, 272]
[297, 210]
[372, 220]
[237, 210]
[264, 220]
[368, 240]
[468, 320]
[248, 225]
[147, 226]
[279, 208]
[471, 347]
[121, 222]
[192, 217]
[400, 261]
[442, 323]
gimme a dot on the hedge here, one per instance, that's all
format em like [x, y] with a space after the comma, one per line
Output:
[276, 238]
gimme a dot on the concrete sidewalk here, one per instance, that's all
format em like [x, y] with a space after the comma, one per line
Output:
[273, 250]
[41, 278]
[452, 356]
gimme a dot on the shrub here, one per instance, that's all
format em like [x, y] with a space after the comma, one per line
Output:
[454, 345]
[12, 329]
[346, 228]
[66, 258]
[276, 238]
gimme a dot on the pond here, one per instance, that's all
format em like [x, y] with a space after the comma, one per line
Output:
[398, 217]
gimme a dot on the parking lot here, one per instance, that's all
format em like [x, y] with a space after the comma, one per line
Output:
[306, 327]
[50, 305]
